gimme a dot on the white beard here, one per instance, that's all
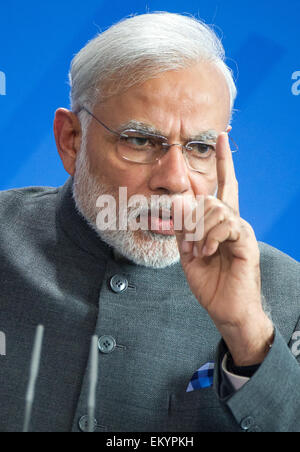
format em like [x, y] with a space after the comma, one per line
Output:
[141, 247]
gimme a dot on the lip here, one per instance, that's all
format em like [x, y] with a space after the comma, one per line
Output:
[159, 225]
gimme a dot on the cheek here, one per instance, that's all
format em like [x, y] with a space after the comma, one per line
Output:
[134, 177]
[204, 184]
[110, 168]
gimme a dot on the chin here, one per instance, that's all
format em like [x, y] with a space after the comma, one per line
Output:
[144, 248]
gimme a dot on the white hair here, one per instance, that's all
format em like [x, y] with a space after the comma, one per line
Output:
[139, 48]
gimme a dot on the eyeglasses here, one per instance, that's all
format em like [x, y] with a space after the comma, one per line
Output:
[146, 148]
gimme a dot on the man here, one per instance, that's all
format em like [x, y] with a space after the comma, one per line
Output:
[151, 109]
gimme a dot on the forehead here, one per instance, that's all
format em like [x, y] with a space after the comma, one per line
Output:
[193, 100]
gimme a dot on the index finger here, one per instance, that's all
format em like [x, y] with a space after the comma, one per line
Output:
[227, 182]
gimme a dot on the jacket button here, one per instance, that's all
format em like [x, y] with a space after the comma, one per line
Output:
[247, 423]
[118, 283]
[84, 424]
[106, 344]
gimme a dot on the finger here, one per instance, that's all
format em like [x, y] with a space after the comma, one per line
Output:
[212, 217]
[227, 182]
[214, 213]
[181, 210]
[229, 230]
[197, 221]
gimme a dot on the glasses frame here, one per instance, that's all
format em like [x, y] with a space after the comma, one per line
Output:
[165, 145]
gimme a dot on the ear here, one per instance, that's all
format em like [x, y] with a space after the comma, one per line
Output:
[67, 132]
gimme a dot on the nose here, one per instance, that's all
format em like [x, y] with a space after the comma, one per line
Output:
[171, 174]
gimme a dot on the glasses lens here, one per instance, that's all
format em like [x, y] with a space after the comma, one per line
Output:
[201, 156]
[146, 148]
[139, 147]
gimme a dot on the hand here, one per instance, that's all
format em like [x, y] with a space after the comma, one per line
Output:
[223, 268]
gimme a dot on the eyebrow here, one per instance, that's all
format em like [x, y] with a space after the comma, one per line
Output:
[207, 135]
[140, 127]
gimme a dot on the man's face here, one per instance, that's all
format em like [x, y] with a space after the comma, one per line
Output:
[179, 105]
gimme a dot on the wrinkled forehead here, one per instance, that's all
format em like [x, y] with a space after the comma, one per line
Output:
[196, 99]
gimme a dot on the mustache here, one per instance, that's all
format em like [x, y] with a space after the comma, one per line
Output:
[158, 206]
[154, 207]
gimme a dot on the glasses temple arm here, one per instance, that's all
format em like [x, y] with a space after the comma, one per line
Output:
[98, 120]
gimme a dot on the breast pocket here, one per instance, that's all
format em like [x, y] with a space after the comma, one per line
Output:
[199, 411]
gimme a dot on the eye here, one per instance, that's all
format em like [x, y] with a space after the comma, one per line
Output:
[138, 141]
[200, 149]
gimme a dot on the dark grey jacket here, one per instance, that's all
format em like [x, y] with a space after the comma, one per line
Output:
[55, 271]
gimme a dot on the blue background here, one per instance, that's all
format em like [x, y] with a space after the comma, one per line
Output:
[261, 38]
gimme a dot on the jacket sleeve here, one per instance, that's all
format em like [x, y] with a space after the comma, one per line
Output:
[270, 400]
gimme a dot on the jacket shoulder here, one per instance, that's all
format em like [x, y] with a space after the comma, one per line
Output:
[17, 194]
[26, 216]
[280, 281]
[22, 201]
[274, 261]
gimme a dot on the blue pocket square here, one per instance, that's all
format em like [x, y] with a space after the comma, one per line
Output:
[203, 378]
